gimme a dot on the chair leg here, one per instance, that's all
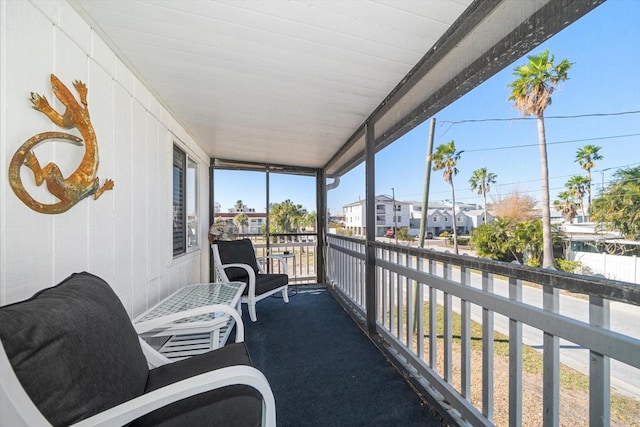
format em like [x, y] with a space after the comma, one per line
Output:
[285, 295]
[252, 311]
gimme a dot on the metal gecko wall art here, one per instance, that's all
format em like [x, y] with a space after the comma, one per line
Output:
[83, 181]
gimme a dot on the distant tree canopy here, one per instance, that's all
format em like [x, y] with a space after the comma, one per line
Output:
[310, 219]
[286, 217]
[403, 234]
[241, 220]
[507, 240]
[618, 207]
[516, 206]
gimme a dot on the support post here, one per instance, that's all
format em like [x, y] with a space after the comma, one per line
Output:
[321, 225]
[427, 177]
[370, 221]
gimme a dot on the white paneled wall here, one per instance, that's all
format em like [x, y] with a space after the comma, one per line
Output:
[125, 236]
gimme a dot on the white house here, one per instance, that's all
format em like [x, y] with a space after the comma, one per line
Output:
[474, 218]
[439, 217]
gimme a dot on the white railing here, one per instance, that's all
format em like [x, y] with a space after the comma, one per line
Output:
[300, 249]
[474, 292]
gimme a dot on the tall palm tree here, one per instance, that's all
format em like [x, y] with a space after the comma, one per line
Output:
[481, 181]
[531, 93]
[446, 159]
[586, 157]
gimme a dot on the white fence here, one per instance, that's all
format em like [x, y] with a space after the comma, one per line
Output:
[615, 267]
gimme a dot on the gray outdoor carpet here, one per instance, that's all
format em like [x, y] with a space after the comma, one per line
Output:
[324, 371]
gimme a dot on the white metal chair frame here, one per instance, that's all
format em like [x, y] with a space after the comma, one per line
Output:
[251, 298]
[18, 410]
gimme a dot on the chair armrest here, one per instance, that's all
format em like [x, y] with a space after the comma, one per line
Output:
[246, 267]
[135, 408]
[153, 356]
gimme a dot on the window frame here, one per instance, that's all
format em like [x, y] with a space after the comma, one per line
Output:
[185, 234]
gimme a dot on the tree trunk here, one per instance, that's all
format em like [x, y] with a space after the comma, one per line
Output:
[547, 243]
[455, 226]
[589, 196]
[484, 195]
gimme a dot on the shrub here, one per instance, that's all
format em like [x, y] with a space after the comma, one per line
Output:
[572, 266]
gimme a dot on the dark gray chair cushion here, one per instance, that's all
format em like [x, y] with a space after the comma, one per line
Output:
[229, 406]
[237, 252]
[268, 282]
[74, 349]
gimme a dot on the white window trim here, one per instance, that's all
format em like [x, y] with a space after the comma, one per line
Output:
[189, 159]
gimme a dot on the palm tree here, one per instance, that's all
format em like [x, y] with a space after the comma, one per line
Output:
[241, 220]
[566, 206]
[617, 208]
[481, 181]
[531, 93]
[577, 186]
[586, 157]
[445, 159]
[239, 205]
[286, 217]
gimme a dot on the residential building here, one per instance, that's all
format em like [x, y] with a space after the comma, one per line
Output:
[388, 215]
[439, 217]
[256, 220]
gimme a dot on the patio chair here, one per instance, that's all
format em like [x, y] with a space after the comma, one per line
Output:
[235, 260]
[69, 355]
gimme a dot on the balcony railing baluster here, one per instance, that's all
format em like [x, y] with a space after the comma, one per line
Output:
[515, 358]
[465, 338]
[487, 351]
[599, 367]
[551, 364]
[448, 327]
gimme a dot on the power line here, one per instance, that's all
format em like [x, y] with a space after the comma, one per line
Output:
[508, 184]
[511, 119]
[554, 143]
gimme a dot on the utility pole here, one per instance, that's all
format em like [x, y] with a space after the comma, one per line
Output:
[427, 176]
[395, 217]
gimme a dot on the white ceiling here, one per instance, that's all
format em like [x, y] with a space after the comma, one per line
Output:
[282, 82]
[288, 82]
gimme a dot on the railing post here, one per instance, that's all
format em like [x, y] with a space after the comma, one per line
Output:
[599, 378]
[370, 282]
[420, 311]
[447, 327]
[465, 338]
[487, 351]
[321, 225]
[551, 364]
[515, 358]
[409, 304]
[433, 320]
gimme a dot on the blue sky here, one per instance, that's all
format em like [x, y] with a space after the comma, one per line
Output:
[603, 46]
